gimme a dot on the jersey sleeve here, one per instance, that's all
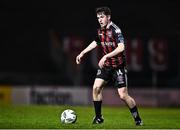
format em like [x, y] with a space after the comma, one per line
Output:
[97, 40]
[118, 36]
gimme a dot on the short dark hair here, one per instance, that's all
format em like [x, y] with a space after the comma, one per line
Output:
[104, 9]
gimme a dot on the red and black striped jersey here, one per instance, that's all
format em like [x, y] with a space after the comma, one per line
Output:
[108, 39]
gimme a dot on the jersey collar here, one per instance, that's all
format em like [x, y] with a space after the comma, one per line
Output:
[107, 27]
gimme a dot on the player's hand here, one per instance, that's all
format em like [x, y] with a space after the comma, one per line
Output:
[102, 61]
[78, 58]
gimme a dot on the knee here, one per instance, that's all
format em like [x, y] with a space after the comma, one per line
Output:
[97, 90]
[123, 96]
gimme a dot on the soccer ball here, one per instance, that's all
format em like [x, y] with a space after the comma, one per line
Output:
[68, 116]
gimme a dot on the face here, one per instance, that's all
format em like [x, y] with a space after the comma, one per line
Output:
[103, 19]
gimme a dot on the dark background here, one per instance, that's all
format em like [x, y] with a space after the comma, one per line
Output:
[25, 45]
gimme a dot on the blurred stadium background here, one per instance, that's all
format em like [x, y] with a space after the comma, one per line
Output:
[40, 40]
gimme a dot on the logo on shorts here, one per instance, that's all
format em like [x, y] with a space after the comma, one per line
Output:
[98, 72]
[120, 79]
[119, 72]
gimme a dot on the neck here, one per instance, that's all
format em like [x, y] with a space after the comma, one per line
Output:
[109, 23]
[107, 26]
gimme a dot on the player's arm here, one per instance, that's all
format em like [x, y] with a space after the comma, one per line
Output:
[120, 42]
[119, 49]
[91, 46]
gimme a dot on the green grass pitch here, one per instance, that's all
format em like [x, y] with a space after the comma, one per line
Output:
[48, 117]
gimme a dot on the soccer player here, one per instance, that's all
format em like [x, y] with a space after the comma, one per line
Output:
[112, 66]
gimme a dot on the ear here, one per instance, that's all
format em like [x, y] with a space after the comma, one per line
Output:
[109, 17]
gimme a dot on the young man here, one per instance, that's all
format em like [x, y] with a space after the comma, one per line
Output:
[111, 65]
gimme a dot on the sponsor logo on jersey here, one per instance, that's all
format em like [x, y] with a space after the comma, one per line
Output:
[107, 43]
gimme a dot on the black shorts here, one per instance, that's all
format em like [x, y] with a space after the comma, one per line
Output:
[118, 75]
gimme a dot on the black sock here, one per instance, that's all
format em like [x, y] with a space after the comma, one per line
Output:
[97, 107]
[135, 114]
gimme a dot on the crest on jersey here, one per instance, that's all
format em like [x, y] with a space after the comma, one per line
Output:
[109, 33]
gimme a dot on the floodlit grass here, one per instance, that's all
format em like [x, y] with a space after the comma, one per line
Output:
[48, 117]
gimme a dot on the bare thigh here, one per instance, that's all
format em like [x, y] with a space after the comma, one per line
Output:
[99, 83]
